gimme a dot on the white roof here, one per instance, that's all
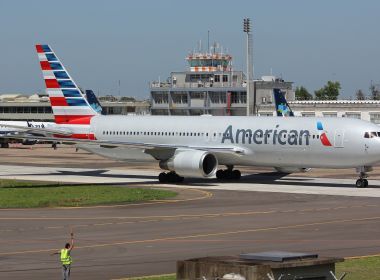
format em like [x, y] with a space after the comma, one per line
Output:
[335, 102]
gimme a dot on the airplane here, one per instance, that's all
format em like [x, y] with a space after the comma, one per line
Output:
[195, 146]
[12, 127]
[9, 128]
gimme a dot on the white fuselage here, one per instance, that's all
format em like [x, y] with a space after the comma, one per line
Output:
[262, 141]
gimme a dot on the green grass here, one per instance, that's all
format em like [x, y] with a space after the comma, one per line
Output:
[360, 269]
[17, 194]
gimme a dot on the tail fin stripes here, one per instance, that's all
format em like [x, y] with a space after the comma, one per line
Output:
[68, 103]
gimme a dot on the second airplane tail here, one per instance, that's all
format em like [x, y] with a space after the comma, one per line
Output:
[68, 103]
[282, 107]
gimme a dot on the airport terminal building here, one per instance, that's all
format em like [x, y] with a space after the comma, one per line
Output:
[37, 107]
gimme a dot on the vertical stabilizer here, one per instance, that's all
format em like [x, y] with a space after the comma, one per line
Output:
[68, 103]
[282, 107]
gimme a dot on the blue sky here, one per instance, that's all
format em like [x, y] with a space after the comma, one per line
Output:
[101, 42]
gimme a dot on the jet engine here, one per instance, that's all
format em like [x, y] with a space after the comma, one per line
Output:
[292, 169]
[191, 163]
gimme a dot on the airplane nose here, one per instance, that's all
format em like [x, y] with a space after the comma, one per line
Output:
[373, 150]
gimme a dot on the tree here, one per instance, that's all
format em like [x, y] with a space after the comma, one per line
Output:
[329, 92]
[360, 95]
[375, 92]
[303, 94]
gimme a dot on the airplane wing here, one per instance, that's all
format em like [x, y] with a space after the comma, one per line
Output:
[37, 131]
[145, 146]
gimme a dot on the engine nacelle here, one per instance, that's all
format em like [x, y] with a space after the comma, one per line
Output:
[291, 169]
[192, 163]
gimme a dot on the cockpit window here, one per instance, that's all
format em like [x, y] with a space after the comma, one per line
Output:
[371, 134]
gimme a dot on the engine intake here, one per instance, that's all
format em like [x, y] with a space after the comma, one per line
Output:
[192, 163]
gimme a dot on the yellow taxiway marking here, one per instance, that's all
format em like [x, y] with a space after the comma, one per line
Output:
[362, 257]
[183, 216]
[175, 238]
[151, 219]
[143, 218]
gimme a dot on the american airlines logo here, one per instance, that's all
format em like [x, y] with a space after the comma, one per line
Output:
[268, 136]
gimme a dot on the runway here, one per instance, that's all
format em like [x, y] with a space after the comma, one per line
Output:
[261, 213]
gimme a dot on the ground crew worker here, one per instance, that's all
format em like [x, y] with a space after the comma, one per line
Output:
[66, 258]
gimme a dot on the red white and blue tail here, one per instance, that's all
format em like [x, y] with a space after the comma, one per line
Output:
[68, 103]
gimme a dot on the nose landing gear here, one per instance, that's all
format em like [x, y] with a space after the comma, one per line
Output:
[362, 182]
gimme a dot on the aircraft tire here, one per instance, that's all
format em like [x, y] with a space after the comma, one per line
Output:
[236, 174]
[163, 177]
[220, 174]
[361, 183]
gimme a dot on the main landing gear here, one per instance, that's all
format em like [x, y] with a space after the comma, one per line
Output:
[362, 182]
[228, 174]
[170, 177]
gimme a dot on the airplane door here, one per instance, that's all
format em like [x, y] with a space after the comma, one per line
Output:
[339, 139]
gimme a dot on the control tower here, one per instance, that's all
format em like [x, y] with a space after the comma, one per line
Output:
[209, 62]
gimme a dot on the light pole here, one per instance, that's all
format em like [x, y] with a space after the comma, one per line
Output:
[249, 78]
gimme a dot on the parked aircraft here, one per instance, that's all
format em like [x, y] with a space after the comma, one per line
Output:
[9, 128]
[282, 107]
[195, 146]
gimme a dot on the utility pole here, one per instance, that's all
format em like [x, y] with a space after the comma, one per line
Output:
[249, 78]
